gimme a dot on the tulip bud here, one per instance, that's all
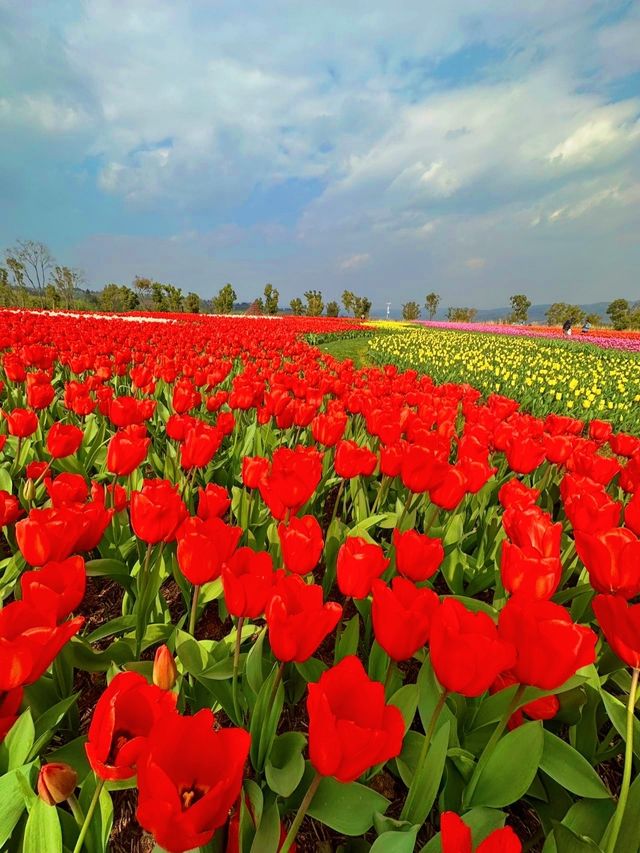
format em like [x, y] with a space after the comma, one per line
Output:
[56, 783]
[165, 672]
[29, 490]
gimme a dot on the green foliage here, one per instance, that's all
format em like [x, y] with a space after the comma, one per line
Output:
[315, 304]
[461, 315]
[431, 304]
[410, 311]
[271, 296]
[297, 306]
[619, 313]
[333, 309]
[223, 302]
[520, 305]
[560, 312]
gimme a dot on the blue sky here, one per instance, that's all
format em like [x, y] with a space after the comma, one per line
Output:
[478, 149]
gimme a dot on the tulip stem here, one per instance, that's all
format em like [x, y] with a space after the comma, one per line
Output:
[413, 788]
[335, 506]
[276, 683]
[628, 763]
[236, 664]
[302, 810]
[389, 676]
[430, 519]
[492, 742]
[92, 807]
[76, 811]
[380, 495]
[194, 610]
[405, 510]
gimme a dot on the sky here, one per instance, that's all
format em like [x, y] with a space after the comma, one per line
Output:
[478, 149]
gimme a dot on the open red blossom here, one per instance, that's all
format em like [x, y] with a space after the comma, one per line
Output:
[524, 572]
[351, 728]
[550, 647]
[620, 622]
[66, 489]
[612, 559]
[213, 501]
[301, 543]
[57, 587]
[63, 440]
[298, 618]
[247, 580]
[203, 547]
[157, 511]
[121, 722]
[21, 422]
[467, 653]
[402, 616]
[359, 562]
[292, 479]
[455, 837]
[49, 535]
[189, 778]
[418, 556]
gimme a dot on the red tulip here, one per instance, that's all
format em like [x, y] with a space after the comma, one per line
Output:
[351, 728]
[450, 489]
[359, 562]
[188, 779]
[121, 723]
[301, 543]
[631, 514]
[422, 469]
[10, 702]
[49, 535]
[203, 547]
[515, 493]
[56, 782]
[418, 556]
[213, 501]
[57, 587]
[66, 489]
[351, 460]
[247, 579]
[612, 559]
[540, 709]
[600, 431]
[63, 440]
[550, 647]
[10, 509]
[201, 443]
[21, 422]
[532, 528]
[524, 572]
[292, 478]
[328, 428]
[466, 651]
[297, 618]
[456, 838]
[620, 622]
[157, 511]
[402, 616]
[127, 450]
[254, 470]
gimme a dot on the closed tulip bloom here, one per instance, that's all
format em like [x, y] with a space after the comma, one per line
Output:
[550, 647]
[21, 422]
[524, 572]
[450, 489]
[624, 444]
[620, 622]
[544, 708]
[533, 528]
[254, 470]
[121, 723]
[351, 460]
[203, 547]
[125, 411]
[298, 618]
[351, 728]
[213, 501]
[524, 454]
[631, 514]
[466, 652]
[66, 489]
[247, 580]
[157, 511]
[56, 782]
[422, 469]
[600, 431]
[63, 440]
[293, 476]
[127, 450]
[201, 443]
[189, 778]
[95, 520]
[515, 493]
[612, 559]
[56, 586]
[165, 671]
[391, 459]
[359, 562]
[10, 509]
[455, 837]
[301, 543]
[402, 616]
[418, 556]
[49, 535]
[328, 428]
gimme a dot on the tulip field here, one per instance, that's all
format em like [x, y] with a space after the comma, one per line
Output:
[259, 599]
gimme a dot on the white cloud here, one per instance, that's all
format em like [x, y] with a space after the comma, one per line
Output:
[355, 262]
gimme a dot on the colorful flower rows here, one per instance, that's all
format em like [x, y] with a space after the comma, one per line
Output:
[545, 376]
[272, 599]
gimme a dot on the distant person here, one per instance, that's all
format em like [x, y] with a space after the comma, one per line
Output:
[567, 326]
[586, 327]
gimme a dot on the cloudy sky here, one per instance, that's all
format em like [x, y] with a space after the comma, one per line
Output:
[392, 148]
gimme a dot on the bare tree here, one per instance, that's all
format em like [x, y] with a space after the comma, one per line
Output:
[36, 261]
[66, 281]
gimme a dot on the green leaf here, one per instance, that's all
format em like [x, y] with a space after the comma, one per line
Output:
[564, 764]
[426, 779]
[267, 837]
[629, 837]
[406, 699]
[285, 766]
[13, 804]
[18, 742]
[114, 569]
[617, 713]
[511, 767]
[590, 818]
[264, 721]
[346, 807]
[349, 639]
[46, 724]
[42, 832]
[396, 842]
[569, 842]
[73, 753]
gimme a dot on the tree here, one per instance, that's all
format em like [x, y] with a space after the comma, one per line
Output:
[558, 313]
[361, 307]
[17, 273]
[144, 286]
[315, 304]
[271, 297]
[175, 299]
[619, 313]
[36, 261]
[223, 302]
[6, 291]
[410, 311]
[594, 319]
[431, 304]
[192, 303]
[348, 300]
[297, 306]
[520, 305]
[110, 298]
[461, 315]
[333, 309]
[130, 299]
[52, 297]
[66, 281]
